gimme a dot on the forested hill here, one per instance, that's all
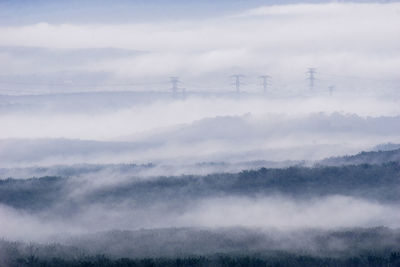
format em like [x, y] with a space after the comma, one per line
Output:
[380, 182]
[372, 157]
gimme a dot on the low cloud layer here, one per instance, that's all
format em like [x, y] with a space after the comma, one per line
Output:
[219, 139]
[354, 46]
[106, 117]
[279, 213]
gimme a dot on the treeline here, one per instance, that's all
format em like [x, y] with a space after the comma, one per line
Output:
[391, 259]
[371, 157]
[172, 243]
[379, 182]
[390, 153]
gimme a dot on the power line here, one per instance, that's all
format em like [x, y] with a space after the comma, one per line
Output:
[174, 81]
[355, 77]
[71, 84]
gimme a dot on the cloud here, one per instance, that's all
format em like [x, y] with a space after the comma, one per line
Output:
[269, 213]
[85, 116]
[338, 38]
[272, 137]
[282, 213]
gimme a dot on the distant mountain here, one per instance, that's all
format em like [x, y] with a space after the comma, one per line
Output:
[272, 138]
[378, 182]
[249, 127]
[372, 157]
[386, 147]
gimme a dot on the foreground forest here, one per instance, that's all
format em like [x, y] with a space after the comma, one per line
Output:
[373, 181]
[280, 259]
[296, 216]
[217, 247]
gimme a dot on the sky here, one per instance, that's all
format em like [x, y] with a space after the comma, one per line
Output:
[353, 45]
[26, 12]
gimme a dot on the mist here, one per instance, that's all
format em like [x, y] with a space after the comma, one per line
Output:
[175, 133]
[280, 40]
[279, 213]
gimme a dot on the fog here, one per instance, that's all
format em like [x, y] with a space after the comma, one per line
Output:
[279, 213]
[156, 137]
[268, 137]
[53, 118]
[280, 40]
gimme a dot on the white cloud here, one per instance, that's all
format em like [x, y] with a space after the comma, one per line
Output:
[285, 213]
[361, 39]
[276, 137]
[113, 123]
[274, 212]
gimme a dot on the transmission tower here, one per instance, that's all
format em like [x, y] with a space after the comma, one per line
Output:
[311, 77]
[265, 79]
[174, 85]
[237, 81]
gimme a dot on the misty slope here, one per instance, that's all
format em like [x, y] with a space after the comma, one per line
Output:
[372, 157]
[374, 182]
[56, 151]
[232, 138]
[390, 154]
[283, 214]
[237, 128]
[142, 170]
[386, 147]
